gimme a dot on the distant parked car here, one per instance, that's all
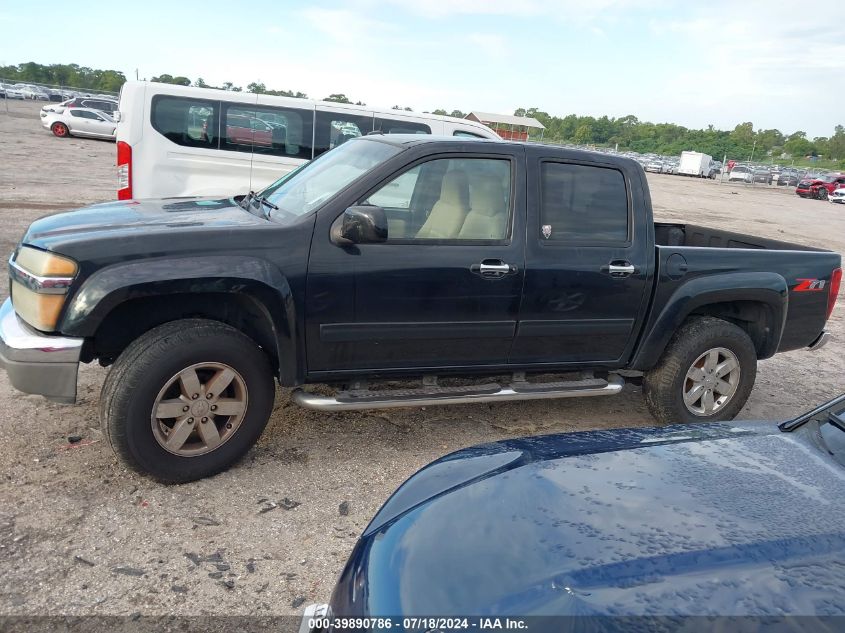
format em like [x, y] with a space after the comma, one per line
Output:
[14, 92]
[761, 175]
[788, 179]
[33, 92]
[837, 195]
[79, 122]
[654, 166]
[819, 187]
[740, 173]
[109, 106]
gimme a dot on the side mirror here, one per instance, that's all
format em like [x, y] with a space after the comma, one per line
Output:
[364, 224]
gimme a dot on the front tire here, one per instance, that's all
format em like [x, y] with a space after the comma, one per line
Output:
[821, 194]
[705, 374]
[187, 400]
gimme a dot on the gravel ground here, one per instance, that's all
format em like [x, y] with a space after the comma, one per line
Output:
[80, 535]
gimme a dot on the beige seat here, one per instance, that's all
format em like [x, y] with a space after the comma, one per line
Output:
[488, 216]
[448, 213]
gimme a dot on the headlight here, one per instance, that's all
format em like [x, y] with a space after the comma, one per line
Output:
[39, 286]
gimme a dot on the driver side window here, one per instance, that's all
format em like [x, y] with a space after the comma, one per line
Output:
[451, 199]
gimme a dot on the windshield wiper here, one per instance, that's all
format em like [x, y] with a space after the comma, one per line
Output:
[263, 201]
[830, 411]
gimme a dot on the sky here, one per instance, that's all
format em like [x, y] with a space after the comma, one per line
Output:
[678, 61]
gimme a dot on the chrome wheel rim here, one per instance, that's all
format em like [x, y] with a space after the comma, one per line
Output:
[199, 409]
[711, 382]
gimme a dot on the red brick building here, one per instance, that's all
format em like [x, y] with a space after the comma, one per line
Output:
[508, 126]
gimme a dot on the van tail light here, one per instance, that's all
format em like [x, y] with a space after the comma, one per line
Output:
[833, 291]
[124, 171]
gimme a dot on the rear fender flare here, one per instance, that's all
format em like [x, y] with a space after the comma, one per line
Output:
[769, 289]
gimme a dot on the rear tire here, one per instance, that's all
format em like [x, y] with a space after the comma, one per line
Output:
[60, 129]
[192, 441]
[698, 359]
[821, 193]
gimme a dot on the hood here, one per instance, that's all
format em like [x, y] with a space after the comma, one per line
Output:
[727, 519]
[133, 217]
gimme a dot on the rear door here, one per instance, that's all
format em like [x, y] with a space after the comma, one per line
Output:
[588, 262]
[443, 291]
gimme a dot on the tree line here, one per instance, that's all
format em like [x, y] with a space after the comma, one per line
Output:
[70, 75]
[627, 132]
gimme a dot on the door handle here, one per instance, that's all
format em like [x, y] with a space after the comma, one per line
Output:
[619, 269]
[493, 268]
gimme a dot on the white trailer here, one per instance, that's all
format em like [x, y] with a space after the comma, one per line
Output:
[695, 164]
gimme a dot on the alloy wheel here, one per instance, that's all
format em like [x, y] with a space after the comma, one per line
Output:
[711, 381]
[199, 409]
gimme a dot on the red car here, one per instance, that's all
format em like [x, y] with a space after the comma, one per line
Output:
[819, 187]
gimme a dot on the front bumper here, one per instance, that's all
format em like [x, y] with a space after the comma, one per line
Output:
[38, 363]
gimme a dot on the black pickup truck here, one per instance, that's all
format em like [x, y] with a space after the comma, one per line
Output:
[488, 271]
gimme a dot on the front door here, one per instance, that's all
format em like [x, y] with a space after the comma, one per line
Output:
[444, 289]
[588, 262]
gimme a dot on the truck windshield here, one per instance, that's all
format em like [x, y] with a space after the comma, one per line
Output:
[298, 193]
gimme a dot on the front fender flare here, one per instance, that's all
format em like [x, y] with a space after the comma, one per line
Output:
[107, 288]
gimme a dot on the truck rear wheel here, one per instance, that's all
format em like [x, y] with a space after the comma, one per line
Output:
[186, 400]
[705, 374]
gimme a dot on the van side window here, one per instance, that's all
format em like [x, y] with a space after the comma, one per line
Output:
[582, 203]
[335, 128]
[185, 121]
[467, 134]
[400, 126]
[266, 130]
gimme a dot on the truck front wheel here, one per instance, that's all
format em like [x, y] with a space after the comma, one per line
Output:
[705, 374]
[186, 400]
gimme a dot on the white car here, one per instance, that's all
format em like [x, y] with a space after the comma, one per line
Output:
[79, 122]
[740, 173]
[14, 92]
[837, 196]
[32, 92]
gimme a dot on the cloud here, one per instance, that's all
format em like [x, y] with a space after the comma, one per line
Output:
[569, 10]
[489, 44]
[343, 26]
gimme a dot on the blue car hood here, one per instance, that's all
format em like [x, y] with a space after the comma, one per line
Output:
[727, 519]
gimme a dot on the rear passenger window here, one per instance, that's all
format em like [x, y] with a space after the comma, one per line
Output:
[466, 134]
[189, 122]
[581, 203]
[398, 126]
[335, 128]
[267, 130]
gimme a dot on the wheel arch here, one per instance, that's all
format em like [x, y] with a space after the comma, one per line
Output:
[756, 302]
[119, 303]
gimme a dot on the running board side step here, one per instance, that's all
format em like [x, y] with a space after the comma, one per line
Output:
[360, 399]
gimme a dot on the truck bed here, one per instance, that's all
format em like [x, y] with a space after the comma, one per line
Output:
[686, 253]
[671, 234]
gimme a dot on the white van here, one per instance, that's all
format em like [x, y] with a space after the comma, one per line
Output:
[183, 141]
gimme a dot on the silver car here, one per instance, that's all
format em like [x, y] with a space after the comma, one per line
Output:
[66, 122]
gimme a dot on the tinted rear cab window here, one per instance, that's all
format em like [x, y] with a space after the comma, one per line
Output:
[582, 203]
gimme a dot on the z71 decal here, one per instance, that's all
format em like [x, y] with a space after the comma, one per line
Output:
[809, 285]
